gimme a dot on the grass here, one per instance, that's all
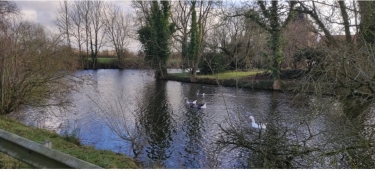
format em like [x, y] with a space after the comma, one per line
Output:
[111, 60]
[224, 75]
[102, 158]
[106, 60]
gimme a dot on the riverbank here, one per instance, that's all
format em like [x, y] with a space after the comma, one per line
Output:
[127, 63]
[243, 79]
[103, 158]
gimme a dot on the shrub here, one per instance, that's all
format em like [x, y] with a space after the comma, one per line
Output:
[212, 63]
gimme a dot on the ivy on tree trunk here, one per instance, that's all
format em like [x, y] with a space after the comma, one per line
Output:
[271, 21]
[194, 43]
[155, 36]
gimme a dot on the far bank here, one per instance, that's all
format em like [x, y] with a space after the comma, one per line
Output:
[256, 79]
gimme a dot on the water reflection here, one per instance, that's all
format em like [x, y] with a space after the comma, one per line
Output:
[160, 130]
[158, 123]
[193, 147]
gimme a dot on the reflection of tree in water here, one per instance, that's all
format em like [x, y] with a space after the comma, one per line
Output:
[269, 147]
[309, 139]
[352, 144]
[193, 127]
[157, 122]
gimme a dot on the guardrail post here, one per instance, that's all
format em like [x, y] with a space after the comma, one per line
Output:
[37, 155]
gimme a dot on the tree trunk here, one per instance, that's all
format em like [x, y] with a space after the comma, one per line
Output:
[193, 75]
[277, 55]
[345, 17]
[367, 24]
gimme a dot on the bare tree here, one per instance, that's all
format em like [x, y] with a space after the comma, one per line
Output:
[83, 20]
[63, 20]
[77, 29]
[325, 15]
[30, 72]
[7, 8]
[117, 28]
[142, 9]
[204, 12]
[367, 27]
[181, 13]
[96, 9]
[125, 120]
[299, 35]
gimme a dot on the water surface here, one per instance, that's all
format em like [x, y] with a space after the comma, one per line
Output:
[118, 107]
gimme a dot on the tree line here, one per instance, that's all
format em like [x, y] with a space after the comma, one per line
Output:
[89, 26]
[333, 40]
[211, 35]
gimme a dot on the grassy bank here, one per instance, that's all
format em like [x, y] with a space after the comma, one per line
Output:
[128, 63]
[102, 158]
[223, 75]
[256, 79]
[113, 63]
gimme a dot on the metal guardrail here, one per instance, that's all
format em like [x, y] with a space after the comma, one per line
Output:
[37, 155]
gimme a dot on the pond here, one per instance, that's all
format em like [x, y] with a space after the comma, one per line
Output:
[129, 112]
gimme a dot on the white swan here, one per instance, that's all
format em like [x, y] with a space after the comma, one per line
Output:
[199, 106]
[189, 102]
[200, 94]
[255, 125]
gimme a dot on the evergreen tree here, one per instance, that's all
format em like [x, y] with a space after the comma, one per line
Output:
[194, 43]
[270, 20]
[155, 36]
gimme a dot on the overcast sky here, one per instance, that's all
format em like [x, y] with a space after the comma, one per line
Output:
[44, 12]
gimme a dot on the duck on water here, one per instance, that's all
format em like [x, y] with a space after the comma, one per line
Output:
[199, 106]
[200, 94]
[189, 102]
[255, 125]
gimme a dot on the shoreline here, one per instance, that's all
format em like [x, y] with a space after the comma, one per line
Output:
[244, 82]
[258, 81]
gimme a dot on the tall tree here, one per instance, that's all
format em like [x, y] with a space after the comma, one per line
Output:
[6, 9]
[83, 17]
[198, 44]
[30, 72]
[367, 24]
[181, 16]
[63, 21]
[77, 29]
[345, 18]
[271, 19]
[117, 29]
[96, 38]
[346, 71]
[325, 14]
[155, 36]
[194, 44]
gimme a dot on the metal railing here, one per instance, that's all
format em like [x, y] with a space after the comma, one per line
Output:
[37, 155]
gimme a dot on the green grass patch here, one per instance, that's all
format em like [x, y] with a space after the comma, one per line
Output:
[106, 60]
[231, 75]
[184, 74]
[224, 75]
[102, 158]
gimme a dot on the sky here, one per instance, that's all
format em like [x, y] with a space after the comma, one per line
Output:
[44, 12]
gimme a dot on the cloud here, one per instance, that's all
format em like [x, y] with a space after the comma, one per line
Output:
[45, 12]
[42, 12]
[30, 15]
